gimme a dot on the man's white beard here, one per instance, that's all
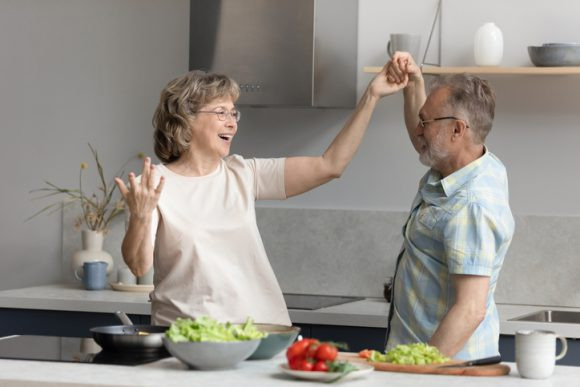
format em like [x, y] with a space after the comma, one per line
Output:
[434, 153]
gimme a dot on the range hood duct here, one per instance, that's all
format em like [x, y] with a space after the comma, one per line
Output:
[282, 52]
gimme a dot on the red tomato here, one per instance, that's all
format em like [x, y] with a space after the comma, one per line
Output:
[310, 352]
[326, 351]
[305, 365]
[298, 348]
[295, 362]
[365, 353]
[320, 366]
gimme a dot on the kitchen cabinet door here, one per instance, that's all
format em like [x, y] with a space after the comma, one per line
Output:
[357, 338]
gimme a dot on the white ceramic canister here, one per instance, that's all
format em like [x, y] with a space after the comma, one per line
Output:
[92, 250]
[488, 45]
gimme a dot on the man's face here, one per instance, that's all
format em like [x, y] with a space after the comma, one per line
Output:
[434, 137]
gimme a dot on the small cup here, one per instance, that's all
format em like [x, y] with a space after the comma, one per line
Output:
[405, 42]
[536, 353]
[147, 278]
[94, 275]
[125, 276]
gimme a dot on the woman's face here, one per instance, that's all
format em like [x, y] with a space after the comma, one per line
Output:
[210, 135]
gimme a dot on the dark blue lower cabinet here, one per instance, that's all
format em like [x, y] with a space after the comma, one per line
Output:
[56, 323]
[356, 338]
[507, 350]
[305, 330]
[77, 324]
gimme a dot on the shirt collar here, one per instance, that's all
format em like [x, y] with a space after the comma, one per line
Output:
[458, 178]
[450, 184]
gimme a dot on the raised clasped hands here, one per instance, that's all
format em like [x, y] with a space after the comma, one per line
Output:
[141, 197]
[397, 73]
[402, 69]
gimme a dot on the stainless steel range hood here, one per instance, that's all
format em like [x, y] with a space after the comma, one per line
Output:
[281, 52]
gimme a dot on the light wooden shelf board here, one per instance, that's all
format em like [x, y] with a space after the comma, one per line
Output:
[491, 70]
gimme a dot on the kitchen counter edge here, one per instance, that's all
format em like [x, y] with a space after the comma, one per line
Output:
[371, 312]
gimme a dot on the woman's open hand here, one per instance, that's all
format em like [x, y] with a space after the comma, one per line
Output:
[141, 197]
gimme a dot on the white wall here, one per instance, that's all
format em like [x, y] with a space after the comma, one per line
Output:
[74, 71]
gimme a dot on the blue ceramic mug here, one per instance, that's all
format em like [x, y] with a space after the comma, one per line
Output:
[94, 275]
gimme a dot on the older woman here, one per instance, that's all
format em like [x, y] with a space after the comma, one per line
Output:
[192, 217]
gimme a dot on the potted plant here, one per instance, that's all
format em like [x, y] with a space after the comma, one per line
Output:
[97, 211]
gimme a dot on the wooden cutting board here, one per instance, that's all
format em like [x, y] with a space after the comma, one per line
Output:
[486, 370]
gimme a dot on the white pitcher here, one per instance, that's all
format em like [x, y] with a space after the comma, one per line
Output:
[488, 45]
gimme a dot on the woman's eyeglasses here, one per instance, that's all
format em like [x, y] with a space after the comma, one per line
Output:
[223, 114]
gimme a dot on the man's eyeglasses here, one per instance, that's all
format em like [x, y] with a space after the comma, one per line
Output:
[423, 123]
[223, 114]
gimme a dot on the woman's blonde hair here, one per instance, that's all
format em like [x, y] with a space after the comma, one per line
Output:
[179, 101]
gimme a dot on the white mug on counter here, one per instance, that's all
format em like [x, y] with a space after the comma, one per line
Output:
[536, 353]
[125, 276]
[147, 278]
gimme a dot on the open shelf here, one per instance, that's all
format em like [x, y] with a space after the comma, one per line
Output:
[491, 70]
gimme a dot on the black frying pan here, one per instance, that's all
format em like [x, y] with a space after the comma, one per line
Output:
[129, 337]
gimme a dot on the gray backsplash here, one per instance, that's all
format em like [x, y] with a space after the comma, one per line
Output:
[543, 264]
[338, 252]
[352, 252]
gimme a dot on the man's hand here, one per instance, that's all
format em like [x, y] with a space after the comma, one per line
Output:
[383, 85]
[402, 69]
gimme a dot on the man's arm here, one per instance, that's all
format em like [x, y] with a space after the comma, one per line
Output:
[403, 69]
[465, 315]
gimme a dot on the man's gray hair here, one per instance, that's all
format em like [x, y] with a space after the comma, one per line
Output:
[471, 96]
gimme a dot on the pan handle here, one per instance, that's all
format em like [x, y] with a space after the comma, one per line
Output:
[123, 317]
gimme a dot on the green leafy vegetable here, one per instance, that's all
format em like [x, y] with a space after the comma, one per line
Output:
[342, 367]
[417, 354]
[207, 329]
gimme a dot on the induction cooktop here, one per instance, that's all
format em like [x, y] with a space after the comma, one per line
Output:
[70, 349]
[314, 301]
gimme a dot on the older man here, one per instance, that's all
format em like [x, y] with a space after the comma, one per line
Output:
[460, 225]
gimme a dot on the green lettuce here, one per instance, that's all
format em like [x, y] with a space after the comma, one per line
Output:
[207, 329]
[416, 354]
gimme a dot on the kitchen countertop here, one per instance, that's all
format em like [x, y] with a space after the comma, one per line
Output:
[171, 372]
[371, 312]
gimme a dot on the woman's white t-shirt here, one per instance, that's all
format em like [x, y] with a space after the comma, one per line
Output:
[209, 258]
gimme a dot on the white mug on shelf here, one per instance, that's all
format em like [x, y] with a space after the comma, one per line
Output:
[536, 353]
[405, 42]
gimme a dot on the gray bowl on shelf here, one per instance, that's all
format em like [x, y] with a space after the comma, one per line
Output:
[555, 54]
[209, 355]
[279, 338]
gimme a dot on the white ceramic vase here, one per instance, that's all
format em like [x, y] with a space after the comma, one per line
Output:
[488, 45]
[92, 251]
